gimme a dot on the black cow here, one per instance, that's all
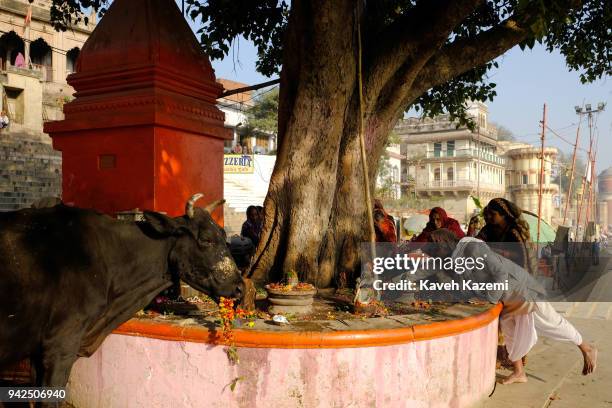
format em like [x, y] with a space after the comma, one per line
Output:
[69, 276]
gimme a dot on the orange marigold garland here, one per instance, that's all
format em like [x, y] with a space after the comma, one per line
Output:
[231, 317]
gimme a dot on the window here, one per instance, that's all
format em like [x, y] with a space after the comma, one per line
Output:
[525, 179]
[437, 174]
[450, 174]
[437, 149]
[450, 148]
[71, 57]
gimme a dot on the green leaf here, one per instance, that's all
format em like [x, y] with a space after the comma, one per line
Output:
[477, 202]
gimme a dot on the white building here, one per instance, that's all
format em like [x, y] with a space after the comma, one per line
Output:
[446, 164]
[235, 107]
[388, 181]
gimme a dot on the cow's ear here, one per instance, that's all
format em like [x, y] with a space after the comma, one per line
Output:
[162, 224]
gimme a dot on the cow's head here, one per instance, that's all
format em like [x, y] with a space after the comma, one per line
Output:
[199, 255]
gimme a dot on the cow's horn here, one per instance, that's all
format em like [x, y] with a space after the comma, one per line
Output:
[190, 203]
[211, 207]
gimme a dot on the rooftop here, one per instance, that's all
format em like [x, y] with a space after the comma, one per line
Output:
[242, 97]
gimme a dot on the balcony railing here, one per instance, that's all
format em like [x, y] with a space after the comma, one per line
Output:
[45, 70]
[486, 156]
[458, 185]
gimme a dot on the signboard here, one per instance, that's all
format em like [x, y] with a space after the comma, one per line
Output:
[238, 163]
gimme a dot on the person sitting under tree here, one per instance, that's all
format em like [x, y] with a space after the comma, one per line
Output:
[439, 219]
[251, 228]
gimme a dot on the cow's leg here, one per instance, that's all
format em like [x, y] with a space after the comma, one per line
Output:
[53, 370]
[56, 369]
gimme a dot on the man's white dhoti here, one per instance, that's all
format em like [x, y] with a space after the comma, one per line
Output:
[521, 331]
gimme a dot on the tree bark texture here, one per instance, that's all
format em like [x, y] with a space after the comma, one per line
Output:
[315, 211]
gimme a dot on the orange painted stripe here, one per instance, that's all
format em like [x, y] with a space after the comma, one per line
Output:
[309, 339]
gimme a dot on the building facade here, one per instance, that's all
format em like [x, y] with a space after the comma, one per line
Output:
[604, 199]
[388, 181]
[447, 165]
[235, 107]
[523, 166]
[34, 62]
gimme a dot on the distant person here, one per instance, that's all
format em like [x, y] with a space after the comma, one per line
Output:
[474, 226]
[261, 212]
[237, 149]
[595, 250]
[4, 120]
[439, 219]
[251, 228]
[20, 61]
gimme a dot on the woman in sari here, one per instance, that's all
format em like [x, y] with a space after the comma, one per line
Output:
[439, 219]
[507, 233]
[384, 224]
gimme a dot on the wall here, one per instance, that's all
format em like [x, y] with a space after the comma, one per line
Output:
[453, 371]
[31, 88]
[29, 170]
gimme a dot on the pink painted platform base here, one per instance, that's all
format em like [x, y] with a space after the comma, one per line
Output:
[129, 371]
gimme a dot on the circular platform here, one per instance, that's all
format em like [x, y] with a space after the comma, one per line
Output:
[398, 361]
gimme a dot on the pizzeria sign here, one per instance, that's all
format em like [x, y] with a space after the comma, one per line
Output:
[238, 163]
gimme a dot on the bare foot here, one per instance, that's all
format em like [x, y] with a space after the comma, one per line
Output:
[515, 377]
[589, 353]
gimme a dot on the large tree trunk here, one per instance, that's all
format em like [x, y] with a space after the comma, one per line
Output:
[315, 213]
[315, 210]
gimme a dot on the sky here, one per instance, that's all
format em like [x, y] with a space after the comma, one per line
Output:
[525, 81]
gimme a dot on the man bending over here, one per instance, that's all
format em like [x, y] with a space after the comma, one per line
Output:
[523, 318]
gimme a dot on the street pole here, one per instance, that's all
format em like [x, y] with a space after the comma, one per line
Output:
[585, 181]
[560, 184]
[591, 161]
[541, 173]
[571, 180]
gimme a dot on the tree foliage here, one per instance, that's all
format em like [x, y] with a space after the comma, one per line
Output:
[579, 29]
[562, 176]
[263, 115]
[503, 133]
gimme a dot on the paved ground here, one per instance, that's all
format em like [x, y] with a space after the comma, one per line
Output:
[554, 369]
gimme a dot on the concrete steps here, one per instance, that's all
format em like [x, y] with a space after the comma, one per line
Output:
[239, 195]
[232, 220]
[29, 170]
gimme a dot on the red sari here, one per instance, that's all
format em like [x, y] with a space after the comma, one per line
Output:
[447, 222]
[385, 228]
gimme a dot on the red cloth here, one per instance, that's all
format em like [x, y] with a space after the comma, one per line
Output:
[385, 230]
[447, 222]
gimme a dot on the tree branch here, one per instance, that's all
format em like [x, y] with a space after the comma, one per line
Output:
[417, 34]
[464, 54]
[249, 88]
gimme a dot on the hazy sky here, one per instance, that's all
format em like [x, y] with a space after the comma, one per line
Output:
[525, 81]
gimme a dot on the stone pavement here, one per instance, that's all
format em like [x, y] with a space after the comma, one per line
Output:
[554, 368]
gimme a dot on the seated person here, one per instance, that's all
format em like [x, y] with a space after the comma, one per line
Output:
[439, 219]
[384, 224]
[251, 228]
[4, 120]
